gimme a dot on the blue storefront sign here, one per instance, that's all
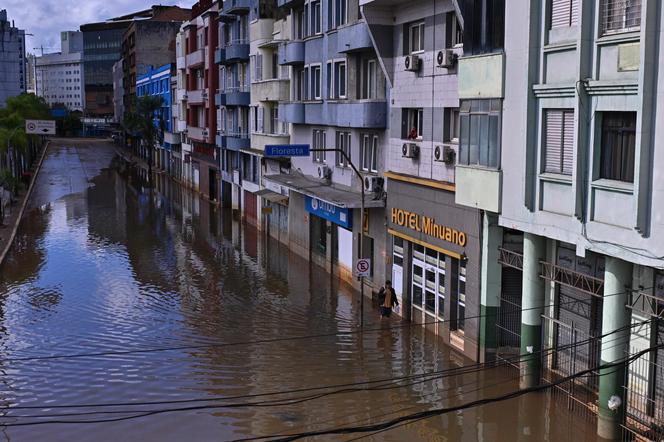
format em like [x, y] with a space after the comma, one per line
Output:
[330, 212]
[287, 150]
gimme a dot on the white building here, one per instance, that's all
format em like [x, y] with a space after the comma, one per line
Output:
[59, 76]
[13, 69]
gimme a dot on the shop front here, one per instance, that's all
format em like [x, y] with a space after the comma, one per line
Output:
[436, 261]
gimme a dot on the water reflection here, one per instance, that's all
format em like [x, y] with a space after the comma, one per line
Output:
[108, 262]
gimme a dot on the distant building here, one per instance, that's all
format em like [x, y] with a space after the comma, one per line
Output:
[157, 82]
[102, 48]
[13, 69]
[59, 76]
[31, 86]
[118, 93]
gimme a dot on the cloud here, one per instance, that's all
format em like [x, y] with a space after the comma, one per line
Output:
[47, 18]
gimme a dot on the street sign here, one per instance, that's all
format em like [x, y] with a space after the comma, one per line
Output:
[40, 127]
[363, 267]
[287, 150]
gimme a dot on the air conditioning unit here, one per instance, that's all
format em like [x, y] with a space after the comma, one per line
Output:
[324, 172]
[373, 184]
[204, 95]
[444, 154]
[446, 58]
[410, 150]
[412, 63]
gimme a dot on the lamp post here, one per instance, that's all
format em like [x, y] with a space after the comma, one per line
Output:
[359, 175]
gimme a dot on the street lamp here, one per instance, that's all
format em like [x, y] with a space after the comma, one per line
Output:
[359, 175]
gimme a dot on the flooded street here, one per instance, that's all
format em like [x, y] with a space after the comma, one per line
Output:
[163, 305]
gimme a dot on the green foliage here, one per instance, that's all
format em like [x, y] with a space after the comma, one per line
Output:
[8, 181]
[140, 119]
[12, 119]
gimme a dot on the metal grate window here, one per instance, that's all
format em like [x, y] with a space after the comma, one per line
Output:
[620, 16]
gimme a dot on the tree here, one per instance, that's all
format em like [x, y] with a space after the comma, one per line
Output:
[145, 120]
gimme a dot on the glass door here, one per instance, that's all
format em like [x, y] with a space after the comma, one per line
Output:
[418, 282]
[428, 283]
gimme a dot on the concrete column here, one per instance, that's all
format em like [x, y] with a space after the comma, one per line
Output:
[615, 316]
[533, 300]
[491, 285]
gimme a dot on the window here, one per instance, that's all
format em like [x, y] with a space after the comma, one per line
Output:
[316, 17]
[479, 138]
[274, 111]
[258, 68]
[485, 26]
[454, 35]
[368, 74]
[318, 142]
[416, 36]
[618, 145]
[275, 65]
[315, 82]
[299, 23]
[340, 79]
[451, 125]
[564, 13]
[337, 13]
[369, 153]
[411, 124]
[342, 143]
[461, 297]
[620, 16]
[559, 141]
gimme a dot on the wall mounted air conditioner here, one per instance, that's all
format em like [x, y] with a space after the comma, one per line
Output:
[410, 150]
[412, 63]
[373, 184]
[446, 58]
[324, 172]
[444, 154]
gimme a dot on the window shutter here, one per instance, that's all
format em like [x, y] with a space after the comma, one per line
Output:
[260, 119]
[560, 13]
[574, 13]
[553, 148]
[568, 142]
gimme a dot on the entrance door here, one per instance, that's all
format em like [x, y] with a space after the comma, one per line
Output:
[212, 191]
[428, 284]
[250, 208]
[196, 178]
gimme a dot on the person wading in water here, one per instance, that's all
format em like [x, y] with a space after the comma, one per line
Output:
[387, 300]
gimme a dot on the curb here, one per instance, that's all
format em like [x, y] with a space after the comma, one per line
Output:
[10, 240]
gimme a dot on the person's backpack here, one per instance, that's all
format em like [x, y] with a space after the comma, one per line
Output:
[381, 295]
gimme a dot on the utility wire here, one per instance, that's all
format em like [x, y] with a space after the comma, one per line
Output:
[446, 410]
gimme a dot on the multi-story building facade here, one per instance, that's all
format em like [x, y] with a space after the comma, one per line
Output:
[567, 179]
[59, 77]
[179, 97]
[31, 87]
[157, 83]
[434, 243]
[13, 69]
[118, 93]
[102, 44]
[198, 41]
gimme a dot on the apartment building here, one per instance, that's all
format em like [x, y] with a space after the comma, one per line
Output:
[338, 99]
[179, 97]
[59, 76]
[200, 39]
[567, 179]
[13, 75]
[434, 243]
[157, 83]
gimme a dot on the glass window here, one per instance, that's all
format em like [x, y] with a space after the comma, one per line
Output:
[618, 146]
[558, 141]
[416, 36]
[620, 16]
[318, 142]
[479, 138]
[343, 143]
[564, 13]
[340, 79]
[412, 123]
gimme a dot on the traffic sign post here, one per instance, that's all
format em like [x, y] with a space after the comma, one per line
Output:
[363, 267]
[40, 127]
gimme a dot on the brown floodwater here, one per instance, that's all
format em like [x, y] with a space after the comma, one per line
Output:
[190, 322]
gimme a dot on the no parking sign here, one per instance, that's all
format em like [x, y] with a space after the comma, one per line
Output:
[363, 267]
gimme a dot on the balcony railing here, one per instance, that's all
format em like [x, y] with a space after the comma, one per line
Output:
[196, 58]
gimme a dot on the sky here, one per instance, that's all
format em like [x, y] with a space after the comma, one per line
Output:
[47, 18]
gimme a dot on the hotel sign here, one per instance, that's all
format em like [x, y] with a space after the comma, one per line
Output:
[427, 226]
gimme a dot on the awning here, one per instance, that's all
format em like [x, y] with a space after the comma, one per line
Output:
[340, 196]
[272, 196]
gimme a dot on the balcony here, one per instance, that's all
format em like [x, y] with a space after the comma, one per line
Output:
[180, 94]
[181, 125]
[196, 58]
[479, 188]
[237, 96]
[353, 38]
[260, 140]
[270, 90]
[289, 3]
[196, 97]
[197, 133]
[238, 7]
[291, 53]
[220, 99]
[262, 30]
[234, 140]
[292, 112]
[481, 76]
[180, 63]
[171, 138]
[356, 114]
[236, 51]
[219, 55]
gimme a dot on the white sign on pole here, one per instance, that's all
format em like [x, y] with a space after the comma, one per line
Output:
[40, 127]
[363, 267]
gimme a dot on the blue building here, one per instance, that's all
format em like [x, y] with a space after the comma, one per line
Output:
[157, 82]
